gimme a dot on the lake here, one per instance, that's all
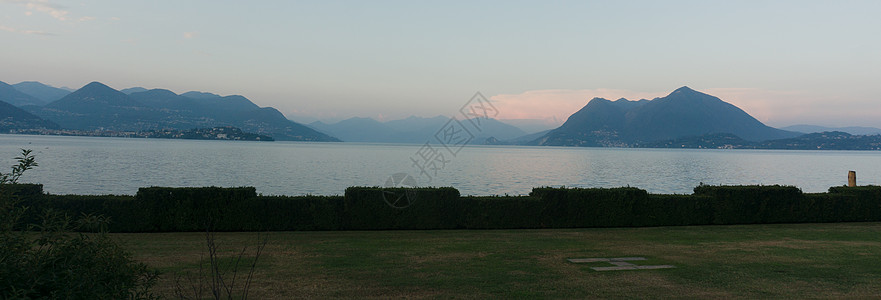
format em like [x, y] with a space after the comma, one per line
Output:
[97, 165]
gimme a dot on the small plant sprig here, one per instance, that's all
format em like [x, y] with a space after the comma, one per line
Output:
[25, 162]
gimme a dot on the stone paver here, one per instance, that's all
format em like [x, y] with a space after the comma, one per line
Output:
[620, 263]
[590, 260]
[626, 258]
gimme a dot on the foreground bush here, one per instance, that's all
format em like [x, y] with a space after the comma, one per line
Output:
[57, 264]
[47, 260]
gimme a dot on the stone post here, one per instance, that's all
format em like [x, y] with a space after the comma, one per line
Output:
[852, 178]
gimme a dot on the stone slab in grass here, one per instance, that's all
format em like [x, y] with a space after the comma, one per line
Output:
[620, 263]
[590, 260]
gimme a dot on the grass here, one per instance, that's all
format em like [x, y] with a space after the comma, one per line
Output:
[745, 261]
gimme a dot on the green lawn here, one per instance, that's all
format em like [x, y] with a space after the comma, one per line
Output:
[747, 261]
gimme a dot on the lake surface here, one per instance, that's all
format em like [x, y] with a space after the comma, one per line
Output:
[93, 165]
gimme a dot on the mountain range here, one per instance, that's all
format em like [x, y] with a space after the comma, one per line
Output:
[411, 130]
[96, 106]
[41, 91]
[682, 118]
[682, 113]
[11, 95]
[12, 118]
[854, 130]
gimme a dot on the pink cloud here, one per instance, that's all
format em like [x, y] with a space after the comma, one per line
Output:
[558, 104]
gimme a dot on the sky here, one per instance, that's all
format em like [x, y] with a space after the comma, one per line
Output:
[784, 62]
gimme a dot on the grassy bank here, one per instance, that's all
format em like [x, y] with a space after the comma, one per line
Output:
[731, 261]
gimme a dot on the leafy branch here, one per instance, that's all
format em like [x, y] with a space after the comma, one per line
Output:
[25, 162]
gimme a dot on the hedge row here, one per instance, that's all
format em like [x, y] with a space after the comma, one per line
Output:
[159, 209]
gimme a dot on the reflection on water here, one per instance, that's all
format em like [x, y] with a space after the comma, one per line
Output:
[85, 165]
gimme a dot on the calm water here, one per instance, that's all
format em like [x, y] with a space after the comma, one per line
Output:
[86, 165]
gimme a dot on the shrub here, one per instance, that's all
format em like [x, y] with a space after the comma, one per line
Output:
[53, 262]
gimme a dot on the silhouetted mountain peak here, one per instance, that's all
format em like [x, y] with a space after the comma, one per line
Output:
[96, 89]
[97, 85]
[622, 103]
[685, 90]
[682, 113]
[685, 99]
[94, 97]
[599, 101]
[627, 105]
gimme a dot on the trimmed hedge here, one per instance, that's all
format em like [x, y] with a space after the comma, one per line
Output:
[21, 190]
[670, 210]
[282, 213]
[195, 209]
[124, 217]
[845, 204]
[496, 212]
[753, 204]
[594, 207]
[160, 209]
[371, 208]
[867, 192]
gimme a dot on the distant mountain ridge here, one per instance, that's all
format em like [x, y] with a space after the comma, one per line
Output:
[855, 130]
[41, 91]
[13, 96]
[93, 97]
[411, 130]
[132, 90]
[96, 106]
[14, 118]
[684, 117]
[682, 113]
[829, 140]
